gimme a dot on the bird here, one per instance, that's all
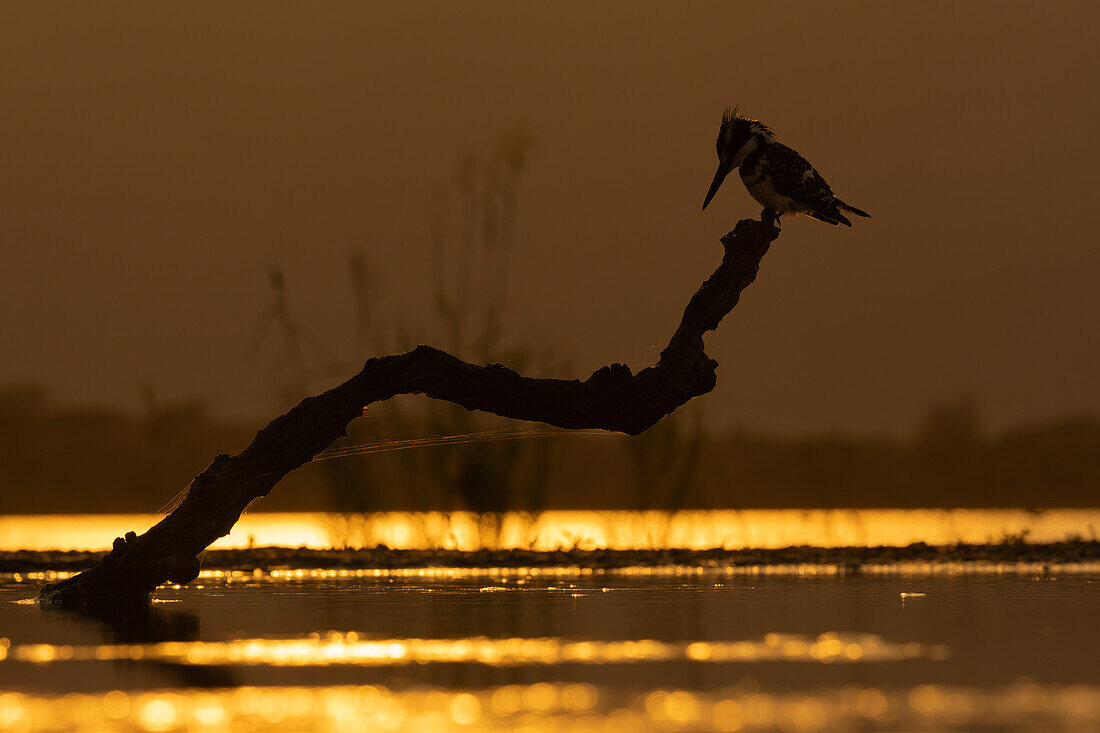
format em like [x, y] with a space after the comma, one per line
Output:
[775, 175]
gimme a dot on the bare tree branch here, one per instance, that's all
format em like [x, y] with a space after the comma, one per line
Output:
[613, 398]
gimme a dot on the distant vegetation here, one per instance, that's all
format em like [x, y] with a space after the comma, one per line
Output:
[473, 238]
[61, 460]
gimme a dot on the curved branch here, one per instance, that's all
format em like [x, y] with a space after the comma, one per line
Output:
[613, 398]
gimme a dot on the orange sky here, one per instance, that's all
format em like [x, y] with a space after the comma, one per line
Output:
[156, 159]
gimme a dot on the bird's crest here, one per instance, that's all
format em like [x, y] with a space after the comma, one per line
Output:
[730, 115]
[736, 129]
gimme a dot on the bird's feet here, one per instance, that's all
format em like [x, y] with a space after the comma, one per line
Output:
[767, 216]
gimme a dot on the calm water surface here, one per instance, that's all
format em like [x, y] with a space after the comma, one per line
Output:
[565, 651]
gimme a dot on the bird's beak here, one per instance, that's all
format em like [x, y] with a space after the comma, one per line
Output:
[723, 170]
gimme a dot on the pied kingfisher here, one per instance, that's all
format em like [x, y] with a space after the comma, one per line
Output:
[776, 176]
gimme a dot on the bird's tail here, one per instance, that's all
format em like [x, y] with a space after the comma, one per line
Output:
[834, 217]
[854, 210]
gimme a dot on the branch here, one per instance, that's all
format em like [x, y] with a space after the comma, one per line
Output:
[612, 398]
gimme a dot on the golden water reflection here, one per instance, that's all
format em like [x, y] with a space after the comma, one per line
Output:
[557, 707]
[620, 530]
[516, 578]
[338, 648]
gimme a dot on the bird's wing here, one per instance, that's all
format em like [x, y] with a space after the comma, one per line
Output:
[798, 180]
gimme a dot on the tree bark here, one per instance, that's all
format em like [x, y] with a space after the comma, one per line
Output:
[612, 398]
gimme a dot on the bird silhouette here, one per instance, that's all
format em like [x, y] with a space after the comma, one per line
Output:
[775, 175]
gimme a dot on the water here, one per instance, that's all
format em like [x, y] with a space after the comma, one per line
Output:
[752, 528]
[566, 649]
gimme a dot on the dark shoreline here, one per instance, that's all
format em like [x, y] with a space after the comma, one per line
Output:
[302, 558]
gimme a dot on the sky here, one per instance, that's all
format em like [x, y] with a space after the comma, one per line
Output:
[156, 159]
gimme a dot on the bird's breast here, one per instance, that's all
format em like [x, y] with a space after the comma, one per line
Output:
[762, 188]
